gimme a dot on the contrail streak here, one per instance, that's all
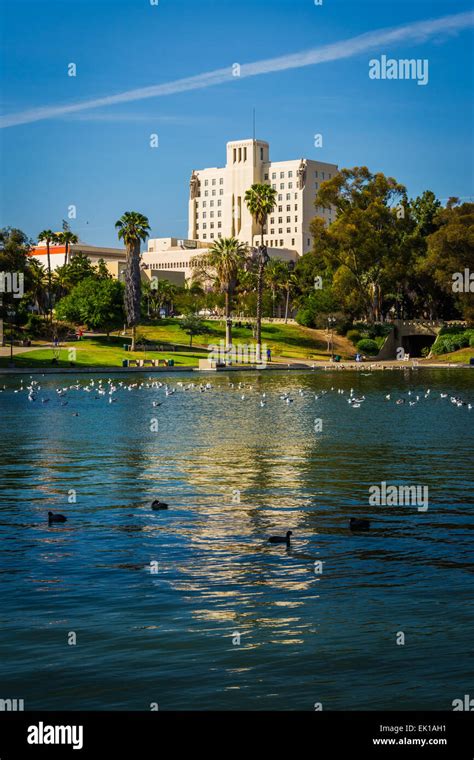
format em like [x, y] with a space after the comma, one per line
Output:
[418, 31]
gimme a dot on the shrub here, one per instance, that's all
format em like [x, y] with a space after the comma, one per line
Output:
[368, 346]
[305, 317]
[354, 336]
[425, 351]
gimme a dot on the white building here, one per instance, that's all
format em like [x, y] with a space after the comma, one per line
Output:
[217, 206]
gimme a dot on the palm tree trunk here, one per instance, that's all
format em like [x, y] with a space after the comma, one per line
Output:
[134, 337]
[228, 322]
[50, 300]
[65, 253]
[287, 305]
[258, 330]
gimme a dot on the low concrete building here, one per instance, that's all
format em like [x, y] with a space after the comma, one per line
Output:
[111, 256]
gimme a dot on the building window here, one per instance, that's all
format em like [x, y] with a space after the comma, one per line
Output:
[280, 220]
[280, 208]
[265, 176]
[213, 181]
[272, 232]
[316, 173]
[219, 234]
[245, 154]
[211, 203]
[211, 235]
[206, 193]
[219, 213]
[235, 155]
[212, 225]
[282, 185]
[240, 154]
[204, 204]
[204, 226]
[219, 224]
[288, 219]
[309, 241]
[282, 175]
[288, 196]
[292, 241]
[280, 231]
[288, 230]
[288, 208]
[281, 243]
[274, 176]
[316, 185]
[221, 181]
[213, 192]
[211, 214]
[219, 203]
[329, 176]
[221, 192]
[206, 182]
[204, 236]
[290, 174]
[296, 207]
[280, 197]
[322, 175]
[290, 185]
[261, 154]
[204, 214]
[274, 187]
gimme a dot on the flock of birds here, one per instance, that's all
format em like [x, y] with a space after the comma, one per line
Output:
[109, 389]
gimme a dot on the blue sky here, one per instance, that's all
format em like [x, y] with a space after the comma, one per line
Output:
[100, 159]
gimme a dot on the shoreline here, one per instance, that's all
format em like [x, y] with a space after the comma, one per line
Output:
[280, 366]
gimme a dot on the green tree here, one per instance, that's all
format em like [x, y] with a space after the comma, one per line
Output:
[193, 325]
[274, 277]
[67, 238]
[98, 303]
[102, 271]
[222, 264]
[260, 200]
[450, 251]
[37, 284]
[48, 237]
[133, 228]
[368, 237]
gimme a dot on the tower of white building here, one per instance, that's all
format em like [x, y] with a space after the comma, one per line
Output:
[217, 206]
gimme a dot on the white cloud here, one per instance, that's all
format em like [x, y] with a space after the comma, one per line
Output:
[419, 31]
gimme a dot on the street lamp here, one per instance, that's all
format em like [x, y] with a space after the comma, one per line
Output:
[11, 314]
[331, 323]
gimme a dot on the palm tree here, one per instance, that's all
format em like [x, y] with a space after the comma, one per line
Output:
[275, 274]
[260, 201]
[289, 284]
[226, 257]
[48, 236]
[67, 238]
[37, 284]
[133, 228]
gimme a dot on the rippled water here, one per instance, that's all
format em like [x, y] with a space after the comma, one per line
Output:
[170, 637]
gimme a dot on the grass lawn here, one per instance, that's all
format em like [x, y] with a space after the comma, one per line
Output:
[462, 356]
[285, 341]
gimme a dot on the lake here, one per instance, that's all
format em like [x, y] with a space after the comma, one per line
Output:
[122, 607]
